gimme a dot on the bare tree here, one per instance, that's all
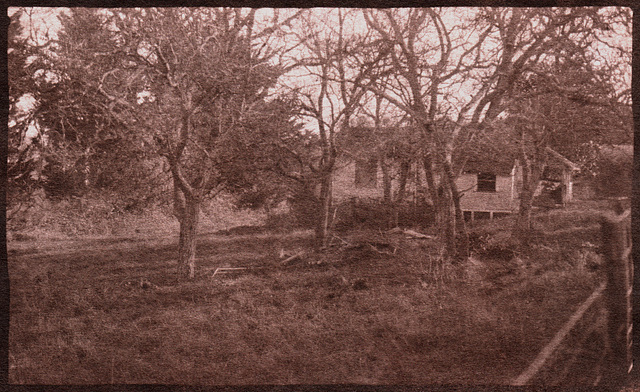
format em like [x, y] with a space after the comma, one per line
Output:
[188, 80]
[337, 61]
[456, 75]
[426, 60]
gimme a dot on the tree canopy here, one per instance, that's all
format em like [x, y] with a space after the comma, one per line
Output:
[188, 102]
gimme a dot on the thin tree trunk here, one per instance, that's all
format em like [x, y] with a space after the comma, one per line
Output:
[386, 181]
[187, 244]
[531, 173]
[463, 250]
[448, 226]
[523, 220]
[432, 188]
[386, 188]
[324, 221]
[405, 165]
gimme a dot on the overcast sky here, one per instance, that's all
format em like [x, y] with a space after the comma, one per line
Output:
[42, 23]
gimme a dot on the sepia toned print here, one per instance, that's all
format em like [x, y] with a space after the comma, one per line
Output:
[235, 196]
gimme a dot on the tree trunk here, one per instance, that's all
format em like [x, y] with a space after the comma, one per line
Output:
[187, 244]
[531, 173]
[523, 220]
[386, 181]
[405, 165]
[432, 187]
[447, 222]
[386, 188]
[442, 204]
[462, 250]
[324, 221]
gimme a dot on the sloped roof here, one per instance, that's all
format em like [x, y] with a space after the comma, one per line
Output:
[362, 141]
[500, 161]
[489, 160]
[561, 159]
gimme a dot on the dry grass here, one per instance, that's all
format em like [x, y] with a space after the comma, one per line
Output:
[100, 311]
[97, 218]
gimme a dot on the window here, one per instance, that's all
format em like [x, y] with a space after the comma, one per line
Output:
[366, 173]
[486, 182]
[479, 215]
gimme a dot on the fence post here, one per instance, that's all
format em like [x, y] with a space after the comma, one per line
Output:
[616, 247]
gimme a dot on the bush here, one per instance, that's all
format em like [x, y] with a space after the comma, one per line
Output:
[494, 247]
[222, 213]
[281, 221]
[375, 214]
[615, 175]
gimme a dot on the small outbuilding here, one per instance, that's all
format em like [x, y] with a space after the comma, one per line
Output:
[491, 183]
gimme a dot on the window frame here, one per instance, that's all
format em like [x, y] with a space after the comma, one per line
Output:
[486, 182]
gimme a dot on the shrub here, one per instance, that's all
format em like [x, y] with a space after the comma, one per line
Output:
[375, 214]
[615, 173]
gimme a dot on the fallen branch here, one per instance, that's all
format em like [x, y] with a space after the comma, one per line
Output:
[227, 269]
[293, 258]
[375, 248]
[415, 234]
[343, 241]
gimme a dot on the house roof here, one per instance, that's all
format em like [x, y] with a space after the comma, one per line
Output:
[489, 160]
[559, 158]
[501, 161]
[363, 141]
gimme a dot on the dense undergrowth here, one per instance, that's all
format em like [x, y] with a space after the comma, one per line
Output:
[109, 310]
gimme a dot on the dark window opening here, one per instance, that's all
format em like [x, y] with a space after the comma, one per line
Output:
[497, 215]
[366, 173]
[479, 215]
[486, 182]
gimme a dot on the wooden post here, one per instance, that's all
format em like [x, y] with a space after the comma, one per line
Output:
[616, 247]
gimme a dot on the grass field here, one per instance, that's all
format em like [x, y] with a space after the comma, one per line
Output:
[104, 310]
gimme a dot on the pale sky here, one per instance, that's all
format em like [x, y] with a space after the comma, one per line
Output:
[42, 22]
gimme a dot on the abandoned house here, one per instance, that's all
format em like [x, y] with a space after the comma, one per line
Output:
[490, 184]
[375, 159]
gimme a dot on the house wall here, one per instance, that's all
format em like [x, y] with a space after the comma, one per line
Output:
[505, 199]
[344, 186]
[501, 200]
